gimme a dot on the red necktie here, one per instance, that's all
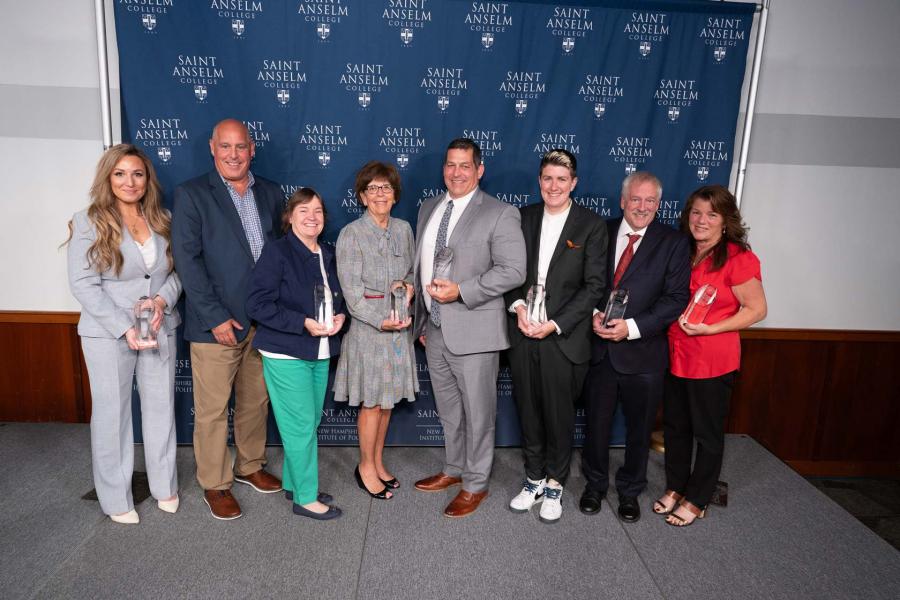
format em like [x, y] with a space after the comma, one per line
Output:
[626, 258]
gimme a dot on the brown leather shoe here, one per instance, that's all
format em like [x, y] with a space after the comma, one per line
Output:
[437, 483]
[464, 504]
[261, 481]
[222, 504]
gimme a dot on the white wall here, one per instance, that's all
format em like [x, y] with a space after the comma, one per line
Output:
[819, 195]
[50, 140]
[824, 167]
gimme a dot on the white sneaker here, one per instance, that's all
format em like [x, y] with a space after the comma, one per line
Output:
[531, 491]
[129, 518]
[551, 507]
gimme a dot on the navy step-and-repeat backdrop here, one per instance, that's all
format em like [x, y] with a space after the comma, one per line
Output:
[327, 85]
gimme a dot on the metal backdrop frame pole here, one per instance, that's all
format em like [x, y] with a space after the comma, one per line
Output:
[103, 64]
[751, 101]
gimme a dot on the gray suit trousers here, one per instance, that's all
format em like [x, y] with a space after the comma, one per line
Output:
[111, 368]
[465, 393]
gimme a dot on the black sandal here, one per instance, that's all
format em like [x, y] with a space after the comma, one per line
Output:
[391, 483]
[382, 495]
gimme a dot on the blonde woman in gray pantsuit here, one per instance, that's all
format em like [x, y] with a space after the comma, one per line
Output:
[377, 366]
[118, 251]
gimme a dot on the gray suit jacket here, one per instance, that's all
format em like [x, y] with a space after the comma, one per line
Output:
[488, 260]
[107, 300]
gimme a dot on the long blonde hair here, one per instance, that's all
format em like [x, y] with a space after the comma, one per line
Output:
[104, 253]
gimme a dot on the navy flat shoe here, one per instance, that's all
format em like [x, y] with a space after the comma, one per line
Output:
[333, 512]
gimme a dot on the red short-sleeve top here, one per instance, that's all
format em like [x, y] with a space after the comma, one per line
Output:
[706, 356]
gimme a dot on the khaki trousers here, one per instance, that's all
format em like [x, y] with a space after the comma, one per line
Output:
[216, 368]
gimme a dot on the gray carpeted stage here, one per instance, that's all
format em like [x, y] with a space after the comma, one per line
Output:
[779, 537]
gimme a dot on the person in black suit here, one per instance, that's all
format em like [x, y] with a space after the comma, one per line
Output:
[565, 247]
[220, 223]
[630, 355]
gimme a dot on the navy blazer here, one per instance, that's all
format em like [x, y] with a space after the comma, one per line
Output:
[280, 297]
[212, 254]
[658, 281]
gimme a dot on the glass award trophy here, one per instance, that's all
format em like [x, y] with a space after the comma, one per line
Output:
[324, 304]
[535, 304]
[700, 304]
[399, 307]
[443, 262]
[144, 311]
[615, 306]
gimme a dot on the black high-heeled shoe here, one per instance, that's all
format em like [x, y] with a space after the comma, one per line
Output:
[382, 495]
[391, 483]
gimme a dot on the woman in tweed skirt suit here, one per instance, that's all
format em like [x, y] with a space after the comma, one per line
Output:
[377, 366]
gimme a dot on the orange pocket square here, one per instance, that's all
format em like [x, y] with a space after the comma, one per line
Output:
[572, 245]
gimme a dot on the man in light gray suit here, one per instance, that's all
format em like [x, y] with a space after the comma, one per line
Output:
[461, 320]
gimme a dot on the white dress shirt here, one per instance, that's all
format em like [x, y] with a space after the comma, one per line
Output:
[429, 238]
[551, 229]
[622, 243]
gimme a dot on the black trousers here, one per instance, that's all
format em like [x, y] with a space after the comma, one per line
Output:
[695, 409]
[546, 386]
[639, 396]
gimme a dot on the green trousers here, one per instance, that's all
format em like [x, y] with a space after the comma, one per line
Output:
[297, 390]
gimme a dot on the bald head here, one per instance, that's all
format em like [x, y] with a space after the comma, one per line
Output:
[229, 125]
[232, 150]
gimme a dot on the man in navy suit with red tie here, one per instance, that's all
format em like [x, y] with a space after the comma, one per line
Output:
[629, 356]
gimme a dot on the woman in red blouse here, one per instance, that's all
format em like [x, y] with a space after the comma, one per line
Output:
[704, 357]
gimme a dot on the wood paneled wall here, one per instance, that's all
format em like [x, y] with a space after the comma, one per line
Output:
[42, 372]
[825, 402]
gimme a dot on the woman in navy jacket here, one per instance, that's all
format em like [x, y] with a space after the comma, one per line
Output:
[296, 348]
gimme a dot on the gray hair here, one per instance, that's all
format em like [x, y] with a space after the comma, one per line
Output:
[639, 177]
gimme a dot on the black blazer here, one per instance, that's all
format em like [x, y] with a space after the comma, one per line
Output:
[280, 297]
[658, 281]
[212, 254]
[576, 278]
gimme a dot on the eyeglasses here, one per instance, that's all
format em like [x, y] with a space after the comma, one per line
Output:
[384, 188]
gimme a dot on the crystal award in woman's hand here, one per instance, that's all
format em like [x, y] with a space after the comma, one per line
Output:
[536, 304]
[700, 304]
[144, 312]
[615, 306]
[324, 305]
[399, 307]
[443, 262]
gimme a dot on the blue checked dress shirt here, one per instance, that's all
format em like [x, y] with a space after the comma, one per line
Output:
[246, 207]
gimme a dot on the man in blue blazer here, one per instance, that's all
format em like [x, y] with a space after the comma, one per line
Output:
[629, 356]
[220, 222]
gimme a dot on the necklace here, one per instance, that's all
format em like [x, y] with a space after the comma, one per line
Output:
[133, 224]
[702, 256]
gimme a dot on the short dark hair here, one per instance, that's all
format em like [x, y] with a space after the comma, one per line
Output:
[560, 158]
[304, 195]
[466, 144]
[373, 170]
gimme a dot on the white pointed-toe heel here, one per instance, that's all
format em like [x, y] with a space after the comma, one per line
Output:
[169, 506]
[129, 518]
